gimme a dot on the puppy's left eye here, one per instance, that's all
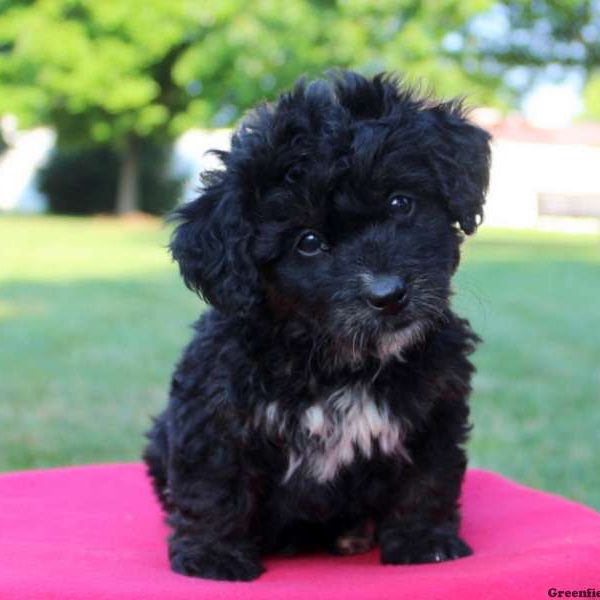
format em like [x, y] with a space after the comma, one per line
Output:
[310, 244]
[401, 204]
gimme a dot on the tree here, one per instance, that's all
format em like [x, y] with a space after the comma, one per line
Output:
[539, 38]
[93, 70]
[118, 73]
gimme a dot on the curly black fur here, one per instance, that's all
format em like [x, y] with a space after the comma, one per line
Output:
[302, 415]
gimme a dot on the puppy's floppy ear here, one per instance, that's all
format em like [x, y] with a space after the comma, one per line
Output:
[212, 246]
[461, 160]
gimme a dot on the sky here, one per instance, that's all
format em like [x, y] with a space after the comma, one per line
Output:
[554, 101]
[553, 104]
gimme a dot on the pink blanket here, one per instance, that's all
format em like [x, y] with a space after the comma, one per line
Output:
[94, 533]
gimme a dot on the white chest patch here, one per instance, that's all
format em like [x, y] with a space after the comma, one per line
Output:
[347, 423]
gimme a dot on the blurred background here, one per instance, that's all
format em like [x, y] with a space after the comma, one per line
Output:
[106, 111]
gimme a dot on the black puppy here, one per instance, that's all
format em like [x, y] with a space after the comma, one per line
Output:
[323, 400]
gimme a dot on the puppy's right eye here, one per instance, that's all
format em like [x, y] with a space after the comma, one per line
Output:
[310, 244]
[401, 204]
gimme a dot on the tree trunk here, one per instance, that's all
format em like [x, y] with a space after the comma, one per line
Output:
[128, 186]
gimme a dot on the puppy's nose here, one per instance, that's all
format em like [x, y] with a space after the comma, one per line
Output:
[386, 293]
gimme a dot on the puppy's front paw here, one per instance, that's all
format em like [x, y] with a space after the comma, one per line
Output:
[220, 562]
[416, 548]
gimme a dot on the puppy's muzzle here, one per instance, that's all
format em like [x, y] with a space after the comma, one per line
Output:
[386, 294]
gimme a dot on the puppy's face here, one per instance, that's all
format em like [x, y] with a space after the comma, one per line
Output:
[342, 206]
[359, 244]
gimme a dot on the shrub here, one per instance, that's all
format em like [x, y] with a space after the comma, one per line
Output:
[80, 182]
[84, 182]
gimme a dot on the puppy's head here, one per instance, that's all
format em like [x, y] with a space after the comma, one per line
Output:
[343, 206]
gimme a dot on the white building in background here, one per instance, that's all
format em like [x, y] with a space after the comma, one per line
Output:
[192, 155]
[19, 163]
[541, 178]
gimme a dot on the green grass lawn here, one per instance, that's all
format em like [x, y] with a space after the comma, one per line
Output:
[93, 317]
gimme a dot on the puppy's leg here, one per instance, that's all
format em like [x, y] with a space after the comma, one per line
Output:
[212, 506]
[420, 540]
[156, 456]
[421, 524]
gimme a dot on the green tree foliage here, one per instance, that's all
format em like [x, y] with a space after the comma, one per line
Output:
[112, 73]
[547, 38]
